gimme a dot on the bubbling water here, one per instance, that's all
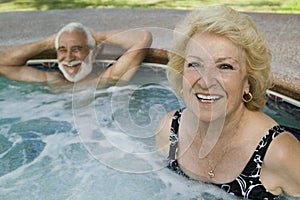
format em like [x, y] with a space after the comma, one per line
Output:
[45, 152]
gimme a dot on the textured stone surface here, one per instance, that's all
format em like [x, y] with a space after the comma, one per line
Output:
[282, 32]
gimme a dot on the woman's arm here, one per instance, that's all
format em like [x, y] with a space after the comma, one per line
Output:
[280, 170]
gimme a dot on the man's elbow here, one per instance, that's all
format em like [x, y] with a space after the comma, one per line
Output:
[146, 39]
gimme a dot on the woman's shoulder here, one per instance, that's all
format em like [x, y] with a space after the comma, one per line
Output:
[258, 125]
[282, 140]
[263, 120]
[266, 125]
[283, 146]
[282, 160]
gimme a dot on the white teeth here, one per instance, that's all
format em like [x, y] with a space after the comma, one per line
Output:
[71, 64]
[206, 98]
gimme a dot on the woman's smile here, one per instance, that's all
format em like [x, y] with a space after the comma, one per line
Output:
[208, 98]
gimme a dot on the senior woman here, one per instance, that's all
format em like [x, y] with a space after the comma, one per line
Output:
[220, 66]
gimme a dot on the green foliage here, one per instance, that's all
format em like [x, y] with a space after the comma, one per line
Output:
[278, 6]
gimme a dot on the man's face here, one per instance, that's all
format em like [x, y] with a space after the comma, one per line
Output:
[72, 55]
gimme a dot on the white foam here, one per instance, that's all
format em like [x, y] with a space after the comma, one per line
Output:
[67, 168]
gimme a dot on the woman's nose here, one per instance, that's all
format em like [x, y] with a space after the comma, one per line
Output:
[207, 78]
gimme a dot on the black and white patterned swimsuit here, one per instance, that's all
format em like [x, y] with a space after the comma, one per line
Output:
[247, 184]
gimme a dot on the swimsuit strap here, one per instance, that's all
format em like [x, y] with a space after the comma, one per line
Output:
[248, 183]
[253, 167]
[265, 142]
[172, 158]
[174, 135]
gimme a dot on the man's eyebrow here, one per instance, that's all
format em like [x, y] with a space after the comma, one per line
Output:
[73, 47]
[77, 47]
[60, 47]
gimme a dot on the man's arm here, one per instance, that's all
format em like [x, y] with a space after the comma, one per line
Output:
[13, 61]
[135, 42]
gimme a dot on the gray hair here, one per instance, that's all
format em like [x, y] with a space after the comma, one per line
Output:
[75, 26]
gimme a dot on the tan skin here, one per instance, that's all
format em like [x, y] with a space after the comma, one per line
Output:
[73, 46]
[218, 68]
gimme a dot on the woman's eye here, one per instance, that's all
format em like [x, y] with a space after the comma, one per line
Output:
[225, 66]
[193, 64]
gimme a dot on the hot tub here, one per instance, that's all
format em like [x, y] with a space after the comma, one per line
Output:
[98, 143]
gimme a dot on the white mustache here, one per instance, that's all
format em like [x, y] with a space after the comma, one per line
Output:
[72, 63]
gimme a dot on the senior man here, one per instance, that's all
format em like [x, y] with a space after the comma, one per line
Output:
[76, 47]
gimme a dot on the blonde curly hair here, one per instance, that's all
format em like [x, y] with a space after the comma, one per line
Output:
[237, 27]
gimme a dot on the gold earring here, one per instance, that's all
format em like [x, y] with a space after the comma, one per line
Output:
[247, 97]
